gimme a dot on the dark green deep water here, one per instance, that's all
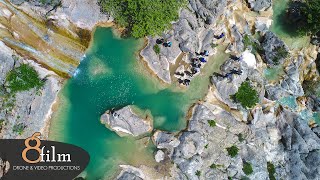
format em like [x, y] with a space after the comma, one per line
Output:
[111, 76]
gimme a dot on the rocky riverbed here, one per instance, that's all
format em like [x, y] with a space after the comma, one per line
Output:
[272, 140]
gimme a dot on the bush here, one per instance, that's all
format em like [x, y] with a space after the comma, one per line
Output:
[246, 95]
[212, 123]
[198, 173]
[23, 78]
[18, 128]
[144, 17]
[1, 123]
[247, 168]
[282, 53]
[233, 151]
[271, 171]
[156, 49]
[305, 15]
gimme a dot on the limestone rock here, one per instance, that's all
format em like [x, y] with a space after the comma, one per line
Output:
[274, 48]
[130, 172]
[125, 122]
[159, 156]
[260, 5]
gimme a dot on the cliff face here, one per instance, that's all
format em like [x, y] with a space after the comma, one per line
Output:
[52, 38]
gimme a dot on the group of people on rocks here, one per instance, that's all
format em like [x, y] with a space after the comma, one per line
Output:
[196, 64]
[165, 43]
[232, 71]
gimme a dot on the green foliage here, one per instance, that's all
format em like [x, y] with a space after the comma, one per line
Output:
[310, 16]
[247, 168]
[206, 146]
[244, 178]
[198, 173]
[282, 53]
[18, 128]
[23, 78]
[246, 95]
[248, 41]
[144, 17]
[271, 171]
[212, 123]
[233, 151]
[241, 137]
[156, 49]
[2, 122]
[215, 166]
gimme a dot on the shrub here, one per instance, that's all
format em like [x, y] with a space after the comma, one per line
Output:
[1, 123]
[23, 78]
[305, 15]
[233, 151]
[212, 123]
[282, 53]
[246, 95]
[156, 49]
[215, 166]
[143, 17]
[247, 168]
[198, 173]
[241, 137]
[18, 128]
[271, 171]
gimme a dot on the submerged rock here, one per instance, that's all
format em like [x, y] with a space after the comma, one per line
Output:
[130, 172]
[125, 122]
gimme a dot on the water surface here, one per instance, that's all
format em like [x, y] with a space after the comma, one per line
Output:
[111, 76]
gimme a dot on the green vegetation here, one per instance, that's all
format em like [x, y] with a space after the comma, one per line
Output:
[215, 166]
[247, 168]
[241, 137]
[246, 95]
[23, 78]
[206, 146]
[305, 15]
[156, 49]
[212, 123]
[144, 17]
[271, 171]
[1, 123]
[282, 53]
[198, 173]
[244, 178]
[18, 128]
[249, 41]
[233, 151]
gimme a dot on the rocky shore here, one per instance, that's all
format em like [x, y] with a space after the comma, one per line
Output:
[223, 139]
[51, 37]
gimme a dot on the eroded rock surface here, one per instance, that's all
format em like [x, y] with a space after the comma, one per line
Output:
[125, 122]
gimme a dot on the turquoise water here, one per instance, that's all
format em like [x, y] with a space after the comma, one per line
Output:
[111, 76]
[283, 30]
[289, 101]
[273, 73]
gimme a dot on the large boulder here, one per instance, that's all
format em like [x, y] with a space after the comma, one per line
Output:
[260, 5]
[130, 173]
[275, 50]
[126, 122]
[208, 10]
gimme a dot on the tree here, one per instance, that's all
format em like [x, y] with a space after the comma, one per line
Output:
[246, 95]
[144, 17]
[23, 78]
[305, 15]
